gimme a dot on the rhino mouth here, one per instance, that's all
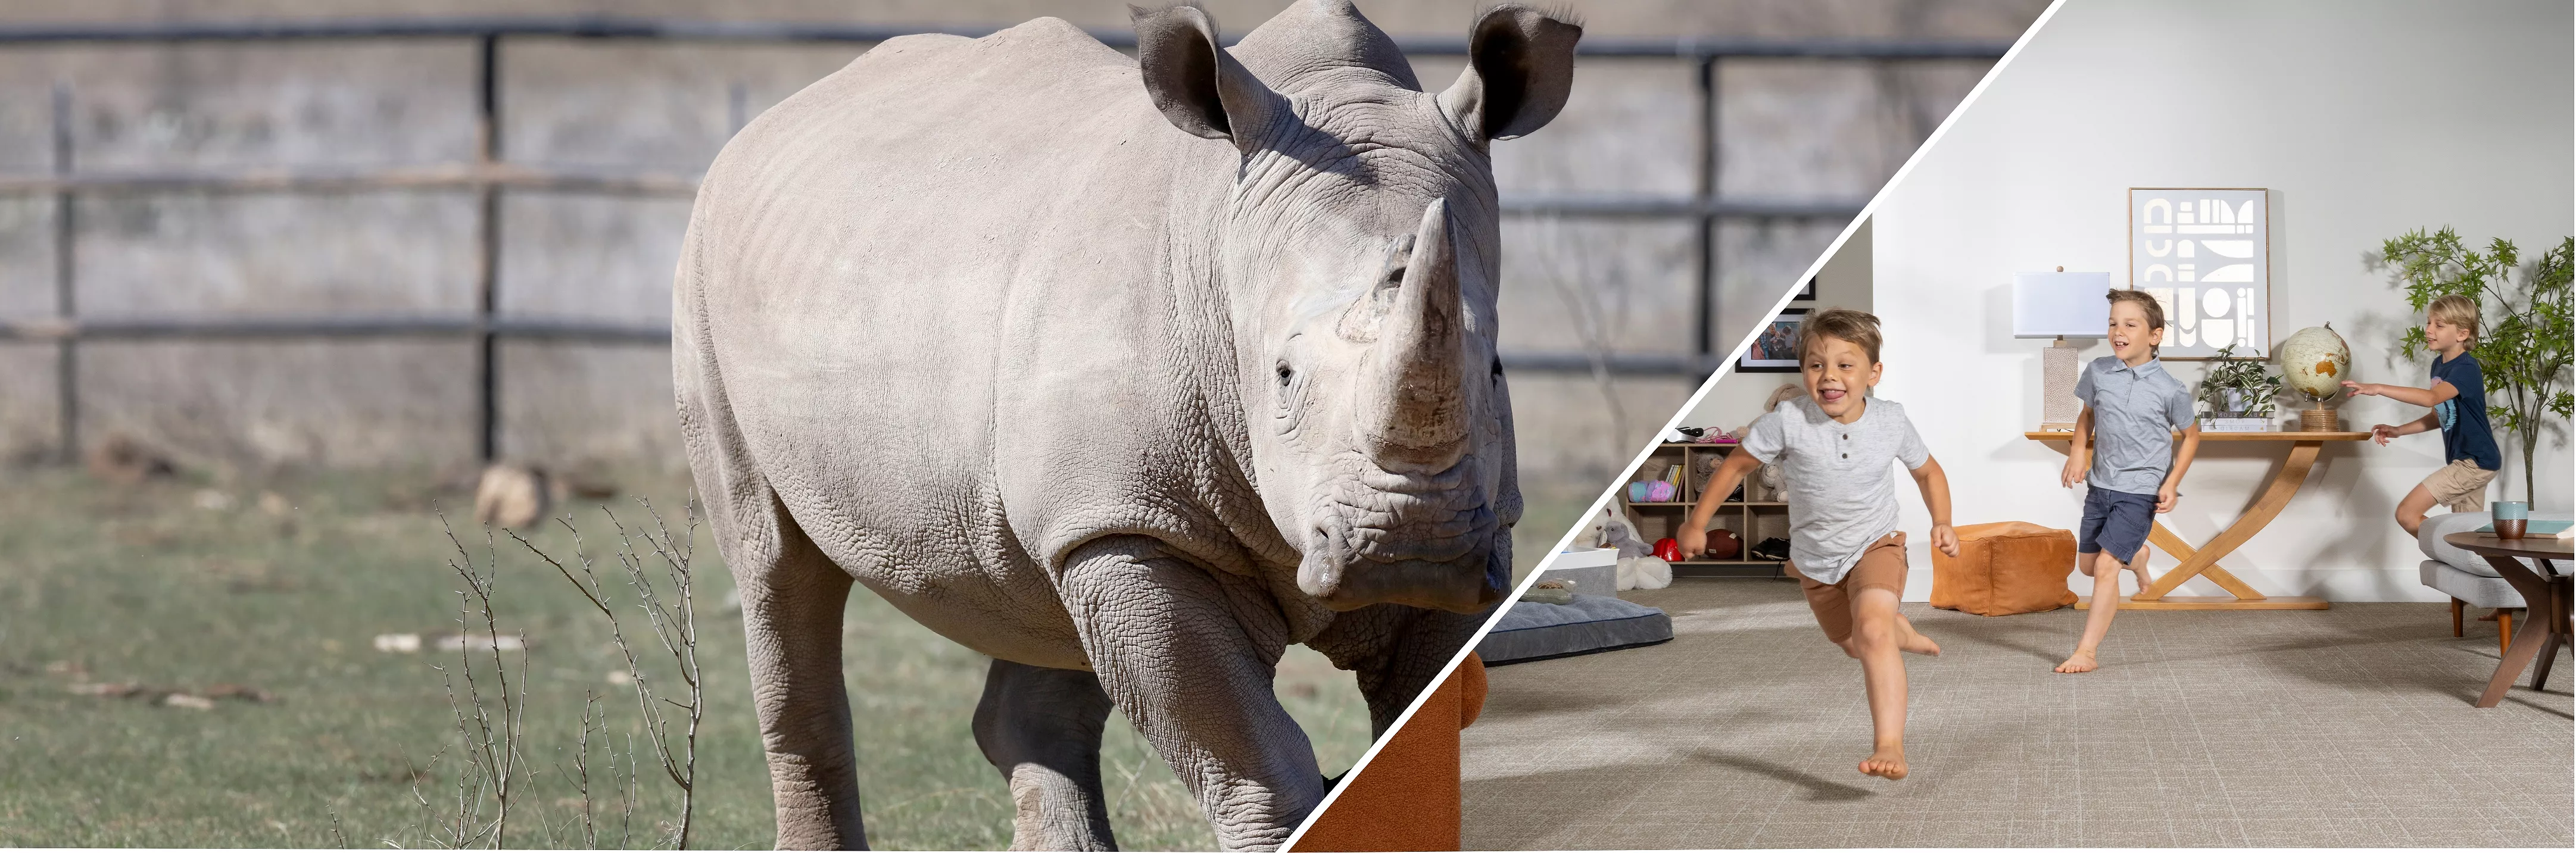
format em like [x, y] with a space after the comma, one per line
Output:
[1421, 541]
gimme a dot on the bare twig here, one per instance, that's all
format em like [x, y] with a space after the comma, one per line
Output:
[673, 620]
[491, 737]
[335, 828]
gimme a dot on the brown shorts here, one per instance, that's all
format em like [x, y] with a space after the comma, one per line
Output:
[2461, 485]
[1881, 565]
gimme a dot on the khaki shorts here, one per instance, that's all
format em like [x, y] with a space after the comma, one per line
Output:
[2461, 485]
[1881, 565]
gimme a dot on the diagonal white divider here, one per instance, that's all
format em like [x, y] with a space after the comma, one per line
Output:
[1787, 293]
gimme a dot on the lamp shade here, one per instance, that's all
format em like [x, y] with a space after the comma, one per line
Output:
[2061, 304]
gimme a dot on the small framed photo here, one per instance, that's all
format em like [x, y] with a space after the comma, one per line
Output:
[1775, 350]
[1809, 294]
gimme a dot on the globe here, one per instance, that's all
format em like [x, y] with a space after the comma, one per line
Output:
[2315, 362]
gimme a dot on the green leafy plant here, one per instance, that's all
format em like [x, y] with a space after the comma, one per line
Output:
[2243, 378]
[2522, 345]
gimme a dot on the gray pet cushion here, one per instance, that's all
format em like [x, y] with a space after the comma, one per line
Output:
[2429, 538]
[1593, 623]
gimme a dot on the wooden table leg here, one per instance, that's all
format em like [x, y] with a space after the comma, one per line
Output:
[2546, 625]
[2203, 561]
[2183, 552]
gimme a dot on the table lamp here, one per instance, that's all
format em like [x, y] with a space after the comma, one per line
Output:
[2060, 305]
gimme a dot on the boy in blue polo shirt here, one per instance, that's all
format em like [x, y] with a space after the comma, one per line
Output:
[2125, 455]
[2458, 399]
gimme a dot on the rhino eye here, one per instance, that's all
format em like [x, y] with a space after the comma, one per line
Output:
[1397, 261]
[1285, 374]
[1498, 369]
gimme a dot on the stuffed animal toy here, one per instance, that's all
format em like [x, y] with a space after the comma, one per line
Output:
[1647, 572]
[1639, 568]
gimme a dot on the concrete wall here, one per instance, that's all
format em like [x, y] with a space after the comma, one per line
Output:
[2364, 119]
[1797, 130]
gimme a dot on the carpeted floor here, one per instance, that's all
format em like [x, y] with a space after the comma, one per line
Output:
[2349, 727]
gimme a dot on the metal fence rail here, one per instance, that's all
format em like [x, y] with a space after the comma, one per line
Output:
[488, 176]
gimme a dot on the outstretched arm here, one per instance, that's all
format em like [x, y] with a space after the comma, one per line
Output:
[2426, 397]
[2381, 433]
[1936, 497]
[1693, 538]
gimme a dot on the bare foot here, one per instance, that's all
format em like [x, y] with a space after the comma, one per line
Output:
[2081, 661]
[1885, 763]
[1915, 642]
[2141, 571]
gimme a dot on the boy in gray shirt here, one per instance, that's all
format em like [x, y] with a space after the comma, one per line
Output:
[2125, 439]
[1835, 446]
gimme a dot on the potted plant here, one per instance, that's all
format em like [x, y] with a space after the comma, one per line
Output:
[2238, 387]
[2522, 345]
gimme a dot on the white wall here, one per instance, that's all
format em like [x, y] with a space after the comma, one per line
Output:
[2365, 119]
[1843, 282]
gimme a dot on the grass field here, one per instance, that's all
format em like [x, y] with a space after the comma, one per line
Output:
[189, 584]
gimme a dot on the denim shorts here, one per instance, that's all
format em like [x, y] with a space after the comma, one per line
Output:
[2116, 522]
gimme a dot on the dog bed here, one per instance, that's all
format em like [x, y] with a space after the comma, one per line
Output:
[1592, 623]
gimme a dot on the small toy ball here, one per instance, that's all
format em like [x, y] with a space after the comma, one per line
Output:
[1723, 545]
[1669, 550]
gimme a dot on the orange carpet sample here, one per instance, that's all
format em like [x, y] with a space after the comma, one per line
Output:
[1407, 797]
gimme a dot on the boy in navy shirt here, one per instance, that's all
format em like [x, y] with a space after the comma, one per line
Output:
[2458, 399]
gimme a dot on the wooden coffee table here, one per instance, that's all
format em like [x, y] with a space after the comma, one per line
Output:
[2203, 561]
[2544, 591]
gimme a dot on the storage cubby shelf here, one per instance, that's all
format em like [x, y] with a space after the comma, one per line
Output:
[1749, 520]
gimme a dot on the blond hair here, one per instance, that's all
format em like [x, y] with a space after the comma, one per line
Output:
[1858, 327]
[2458, 310]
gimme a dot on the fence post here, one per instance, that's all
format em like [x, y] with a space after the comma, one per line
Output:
[66, 297]
[1704, 303]
[487, 291]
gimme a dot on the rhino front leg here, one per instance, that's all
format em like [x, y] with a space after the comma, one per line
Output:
[792, 601]
[1041, 728]
[1395, 651]
[1189, 655]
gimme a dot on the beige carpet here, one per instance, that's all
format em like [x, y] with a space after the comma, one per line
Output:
[2347, 727]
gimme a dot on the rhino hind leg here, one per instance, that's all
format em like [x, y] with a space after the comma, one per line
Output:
[1189, 655]
[1041, 727]
[792, 601]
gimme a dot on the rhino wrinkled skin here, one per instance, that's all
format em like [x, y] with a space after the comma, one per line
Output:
[1127, 373]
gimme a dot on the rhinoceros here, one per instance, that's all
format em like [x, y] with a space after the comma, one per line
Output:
[1127, 373]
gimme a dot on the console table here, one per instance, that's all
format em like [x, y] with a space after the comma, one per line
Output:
[2203, 561]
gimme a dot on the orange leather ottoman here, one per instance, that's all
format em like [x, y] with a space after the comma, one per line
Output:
[1407, 796]
[2005, 568]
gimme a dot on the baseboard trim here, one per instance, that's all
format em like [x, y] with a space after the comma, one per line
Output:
[2356, 585]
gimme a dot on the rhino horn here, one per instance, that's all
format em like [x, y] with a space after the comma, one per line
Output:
[1413, 399]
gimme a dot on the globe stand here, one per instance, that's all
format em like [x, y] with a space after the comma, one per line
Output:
[2318, 418]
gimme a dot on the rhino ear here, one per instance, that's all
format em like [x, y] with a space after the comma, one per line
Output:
[1520, 68]
[1199, 87]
